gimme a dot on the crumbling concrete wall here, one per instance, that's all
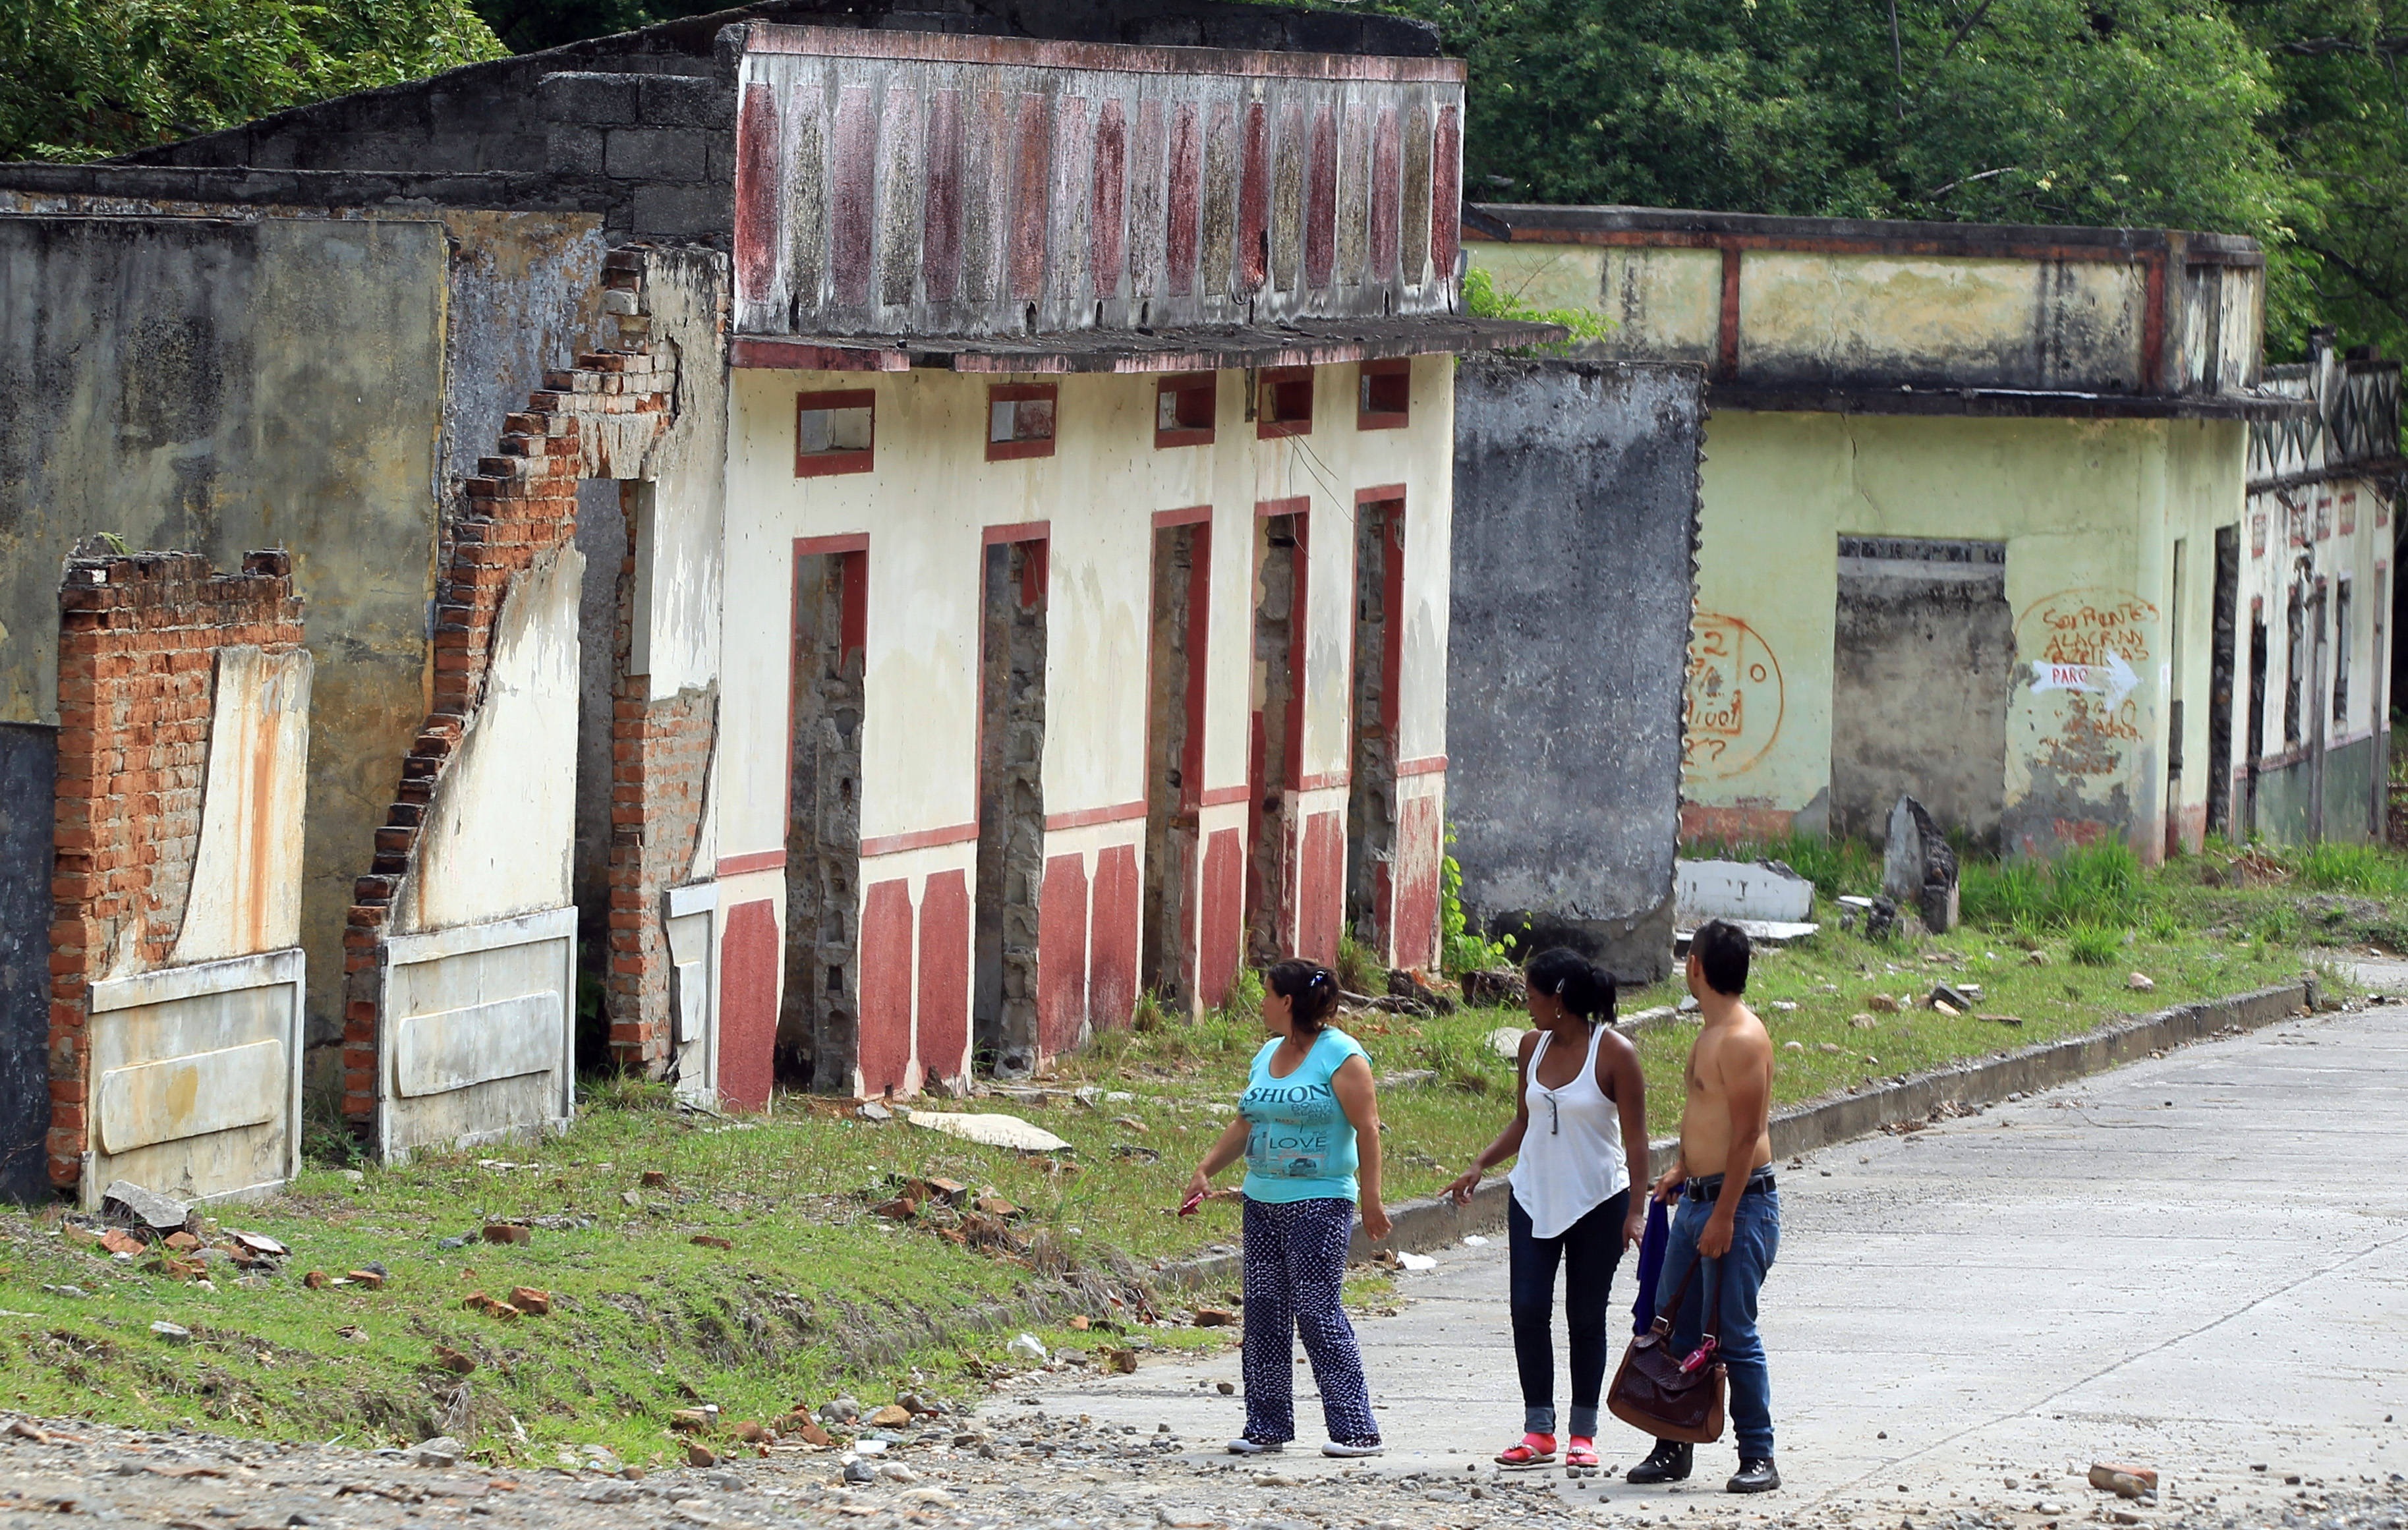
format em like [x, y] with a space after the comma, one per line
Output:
[227, 383]
[1575, 530]
[460, 990]
[1023, 901]
[176, 989]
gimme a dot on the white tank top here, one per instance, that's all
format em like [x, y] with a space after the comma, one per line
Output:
[1572, 1160]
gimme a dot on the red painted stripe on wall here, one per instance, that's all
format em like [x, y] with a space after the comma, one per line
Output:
[1107, 220]
[1255, 202]
[1224, 796]
[757, 194]
[1387, 173]
[1428, 764]
[1028, 201]
[894, 844]
[1185, 208]
[853, 168]
[1078, 818]
[759, 860]
[1446, 193]
[1320, 200]
[940, 248]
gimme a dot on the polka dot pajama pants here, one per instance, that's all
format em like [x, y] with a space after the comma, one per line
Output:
[1294, 1263]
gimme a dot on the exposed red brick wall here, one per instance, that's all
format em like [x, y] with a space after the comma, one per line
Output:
[660, 759]
[589, 421]
[138, 638]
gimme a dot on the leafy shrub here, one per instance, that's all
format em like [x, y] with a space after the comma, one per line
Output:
[1462, 949]
[1481, 298]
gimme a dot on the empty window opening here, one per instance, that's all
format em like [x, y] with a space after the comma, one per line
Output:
[2220, 677]
[835, 432]
[1184, 409]
[1386, 396]
[1284, 406]
[1277, 703]
[2295, 665]
[2178, 619]
[1371, 805]
[2254, 748]
[1012, 808]
[2342, 644]
[1174, 765]
[820, 1011]
[1019, 421]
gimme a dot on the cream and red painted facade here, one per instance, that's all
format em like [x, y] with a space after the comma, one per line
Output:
[934, 225]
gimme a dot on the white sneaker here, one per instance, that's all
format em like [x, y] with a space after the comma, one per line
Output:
[1244, 1445]
[1342, 1448]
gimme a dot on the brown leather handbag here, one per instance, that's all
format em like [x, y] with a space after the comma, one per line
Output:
[1663, 1392]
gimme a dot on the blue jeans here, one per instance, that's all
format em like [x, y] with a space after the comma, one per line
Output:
[1589, 1249]
[1733, 1280]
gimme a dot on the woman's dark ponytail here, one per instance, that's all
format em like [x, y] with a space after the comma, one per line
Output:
[1579, 984]
[1310, 989]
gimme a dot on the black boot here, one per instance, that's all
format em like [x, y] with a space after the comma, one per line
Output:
[1755, 1475]
[1668, 1462]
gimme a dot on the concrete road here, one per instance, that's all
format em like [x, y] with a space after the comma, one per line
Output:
[2198, 1262]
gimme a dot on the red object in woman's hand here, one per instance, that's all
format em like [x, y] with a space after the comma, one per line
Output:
[1187, 1208]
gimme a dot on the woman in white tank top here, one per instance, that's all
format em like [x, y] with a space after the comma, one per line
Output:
[1577, 1128]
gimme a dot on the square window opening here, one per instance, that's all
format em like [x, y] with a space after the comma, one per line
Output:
[1284, 404]
[1184, 409]
[1385, 397]
[835, 432]
[1019, 421]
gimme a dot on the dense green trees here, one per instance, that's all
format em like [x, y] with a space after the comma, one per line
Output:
[82, 78]
[2283, 119]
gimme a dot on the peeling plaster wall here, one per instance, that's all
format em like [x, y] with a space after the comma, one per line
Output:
[223, 385]
[499, 835]
[923, 511]
[1574, 530]
[2089, 511]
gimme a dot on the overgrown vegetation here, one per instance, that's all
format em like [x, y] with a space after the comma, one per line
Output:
[1483, 299]
[84, 79]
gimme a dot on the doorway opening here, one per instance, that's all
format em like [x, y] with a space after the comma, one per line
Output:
[1379, 656]
[1012, 808]
[1174, 765]
[1278, 728]
[2221, 657]
[2254, 746]
[819, 1012]
[2178, 609]
[603, 538]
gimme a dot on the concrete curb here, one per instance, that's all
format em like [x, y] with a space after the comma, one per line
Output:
[1421, 1225]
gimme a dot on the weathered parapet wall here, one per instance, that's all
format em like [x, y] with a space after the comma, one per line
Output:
[1576, 492]
[176, 989]
[1798, 312]
[941, 185]
[460, 988]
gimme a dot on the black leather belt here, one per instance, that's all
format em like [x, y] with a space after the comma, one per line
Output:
[1710, 1186]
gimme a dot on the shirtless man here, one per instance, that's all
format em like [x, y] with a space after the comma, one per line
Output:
[1729, 1211]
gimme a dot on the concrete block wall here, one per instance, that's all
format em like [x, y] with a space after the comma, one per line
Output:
[594, 419]
[139, 643]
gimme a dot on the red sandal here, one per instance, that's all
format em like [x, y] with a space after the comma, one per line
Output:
[1534, 1450]
[1581, 1452]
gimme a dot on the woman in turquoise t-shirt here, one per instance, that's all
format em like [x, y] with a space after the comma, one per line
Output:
[1309, 1128]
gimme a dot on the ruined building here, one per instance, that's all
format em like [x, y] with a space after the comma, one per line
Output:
[2301, 659]
[828, 539]
[1963, 499]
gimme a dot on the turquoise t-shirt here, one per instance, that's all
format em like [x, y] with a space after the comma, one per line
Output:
[1302, 1148]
